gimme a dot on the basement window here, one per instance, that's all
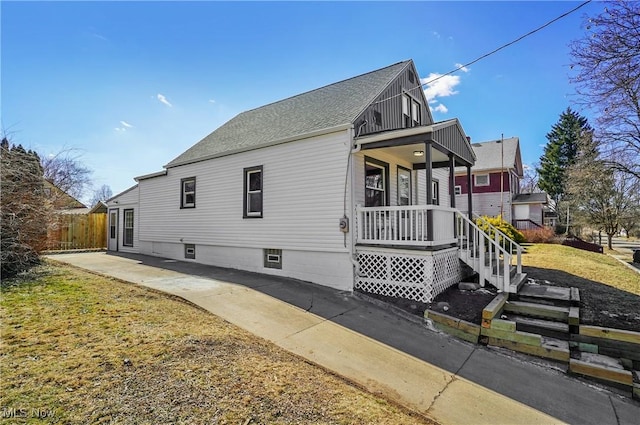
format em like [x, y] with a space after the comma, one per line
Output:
[272, 258]
[190, 251]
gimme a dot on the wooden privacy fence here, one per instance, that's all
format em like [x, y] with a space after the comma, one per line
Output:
[77, 231]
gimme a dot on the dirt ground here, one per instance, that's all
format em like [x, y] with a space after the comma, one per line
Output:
[600, 305]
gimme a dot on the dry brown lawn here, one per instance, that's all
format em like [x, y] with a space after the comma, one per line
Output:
[77, 348]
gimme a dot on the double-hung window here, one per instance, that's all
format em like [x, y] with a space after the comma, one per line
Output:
[253, 192]
[376, 182]
[188, 193]
[128, 228]
[410, 111]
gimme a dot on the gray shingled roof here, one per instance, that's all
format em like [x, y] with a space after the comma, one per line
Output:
[488, 154]
[530, 198]
[330, 106]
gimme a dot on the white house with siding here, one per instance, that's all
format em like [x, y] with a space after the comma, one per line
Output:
[347, 186]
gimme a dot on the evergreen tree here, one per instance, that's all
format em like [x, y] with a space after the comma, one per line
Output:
[560, 152]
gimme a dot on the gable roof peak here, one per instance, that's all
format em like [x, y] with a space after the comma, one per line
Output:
[324, 109]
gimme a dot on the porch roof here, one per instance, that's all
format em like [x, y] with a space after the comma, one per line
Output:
[445, 137]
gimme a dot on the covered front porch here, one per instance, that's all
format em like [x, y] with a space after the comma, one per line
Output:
[406, 223]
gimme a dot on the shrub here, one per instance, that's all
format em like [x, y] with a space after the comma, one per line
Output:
[540, 235]
[500, 224]
[23, 210]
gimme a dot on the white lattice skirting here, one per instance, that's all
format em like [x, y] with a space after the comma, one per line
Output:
[415, 275]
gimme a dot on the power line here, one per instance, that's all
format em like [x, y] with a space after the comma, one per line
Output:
[496, 50]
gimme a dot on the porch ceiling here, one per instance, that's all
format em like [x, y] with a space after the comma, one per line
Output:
[445, 138]
[406, 153]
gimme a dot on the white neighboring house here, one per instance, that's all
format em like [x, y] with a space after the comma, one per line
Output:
[495, 185]
[346, 186]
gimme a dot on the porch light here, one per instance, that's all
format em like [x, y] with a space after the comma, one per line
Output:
[418, 153]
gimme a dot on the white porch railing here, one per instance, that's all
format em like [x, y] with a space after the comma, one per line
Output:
[505, 241]
[491, 257]
[409, 225]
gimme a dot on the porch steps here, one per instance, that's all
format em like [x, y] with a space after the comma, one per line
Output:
[544, 321]
[536, 327]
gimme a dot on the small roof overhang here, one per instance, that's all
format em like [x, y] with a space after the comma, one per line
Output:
[445, 138]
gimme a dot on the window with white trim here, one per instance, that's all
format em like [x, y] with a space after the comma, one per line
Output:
[253, 192]
[188, 192]
[481, 179]
[128, 228]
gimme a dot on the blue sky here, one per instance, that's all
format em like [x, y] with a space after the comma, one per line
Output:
[131, 85]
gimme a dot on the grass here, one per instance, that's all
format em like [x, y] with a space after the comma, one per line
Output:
[608, 289]
[584, 264]
[86, 349]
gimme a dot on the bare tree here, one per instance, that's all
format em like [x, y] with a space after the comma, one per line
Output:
[529, 183]
[607, 60]
[66, 171]
[600, 196]
[101, 194]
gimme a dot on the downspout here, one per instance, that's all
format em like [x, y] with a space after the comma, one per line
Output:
[354, 147]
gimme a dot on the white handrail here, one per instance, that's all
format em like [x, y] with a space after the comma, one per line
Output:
[505, 241]
[484, 250]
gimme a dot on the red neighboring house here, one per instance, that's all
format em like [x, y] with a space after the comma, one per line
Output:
[495, 180]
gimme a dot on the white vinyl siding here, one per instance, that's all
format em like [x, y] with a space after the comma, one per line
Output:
[487, 204]
[442, 176]
[302, 199]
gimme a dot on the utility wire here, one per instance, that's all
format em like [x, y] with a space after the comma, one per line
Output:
[496, 50]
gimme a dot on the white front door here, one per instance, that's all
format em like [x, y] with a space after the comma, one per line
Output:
[112, 236]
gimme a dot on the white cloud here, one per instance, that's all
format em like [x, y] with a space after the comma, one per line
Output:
[163, 99]
[442, 87]
[212, 101]
[462, 67]
[435, 34]
[125, 124]
[441, 108]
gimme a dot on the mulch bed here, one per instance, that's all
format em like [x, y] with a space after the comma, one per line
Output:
[600, 305]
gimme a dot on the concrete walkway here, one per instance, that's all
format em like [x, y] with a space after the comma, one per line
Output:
[450, 381]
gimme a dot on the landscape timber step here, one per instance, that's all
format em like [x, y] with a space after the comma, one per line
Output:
[551, 295]
[548, 328]
[602, 368]
[548, 348]
[539, 311]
